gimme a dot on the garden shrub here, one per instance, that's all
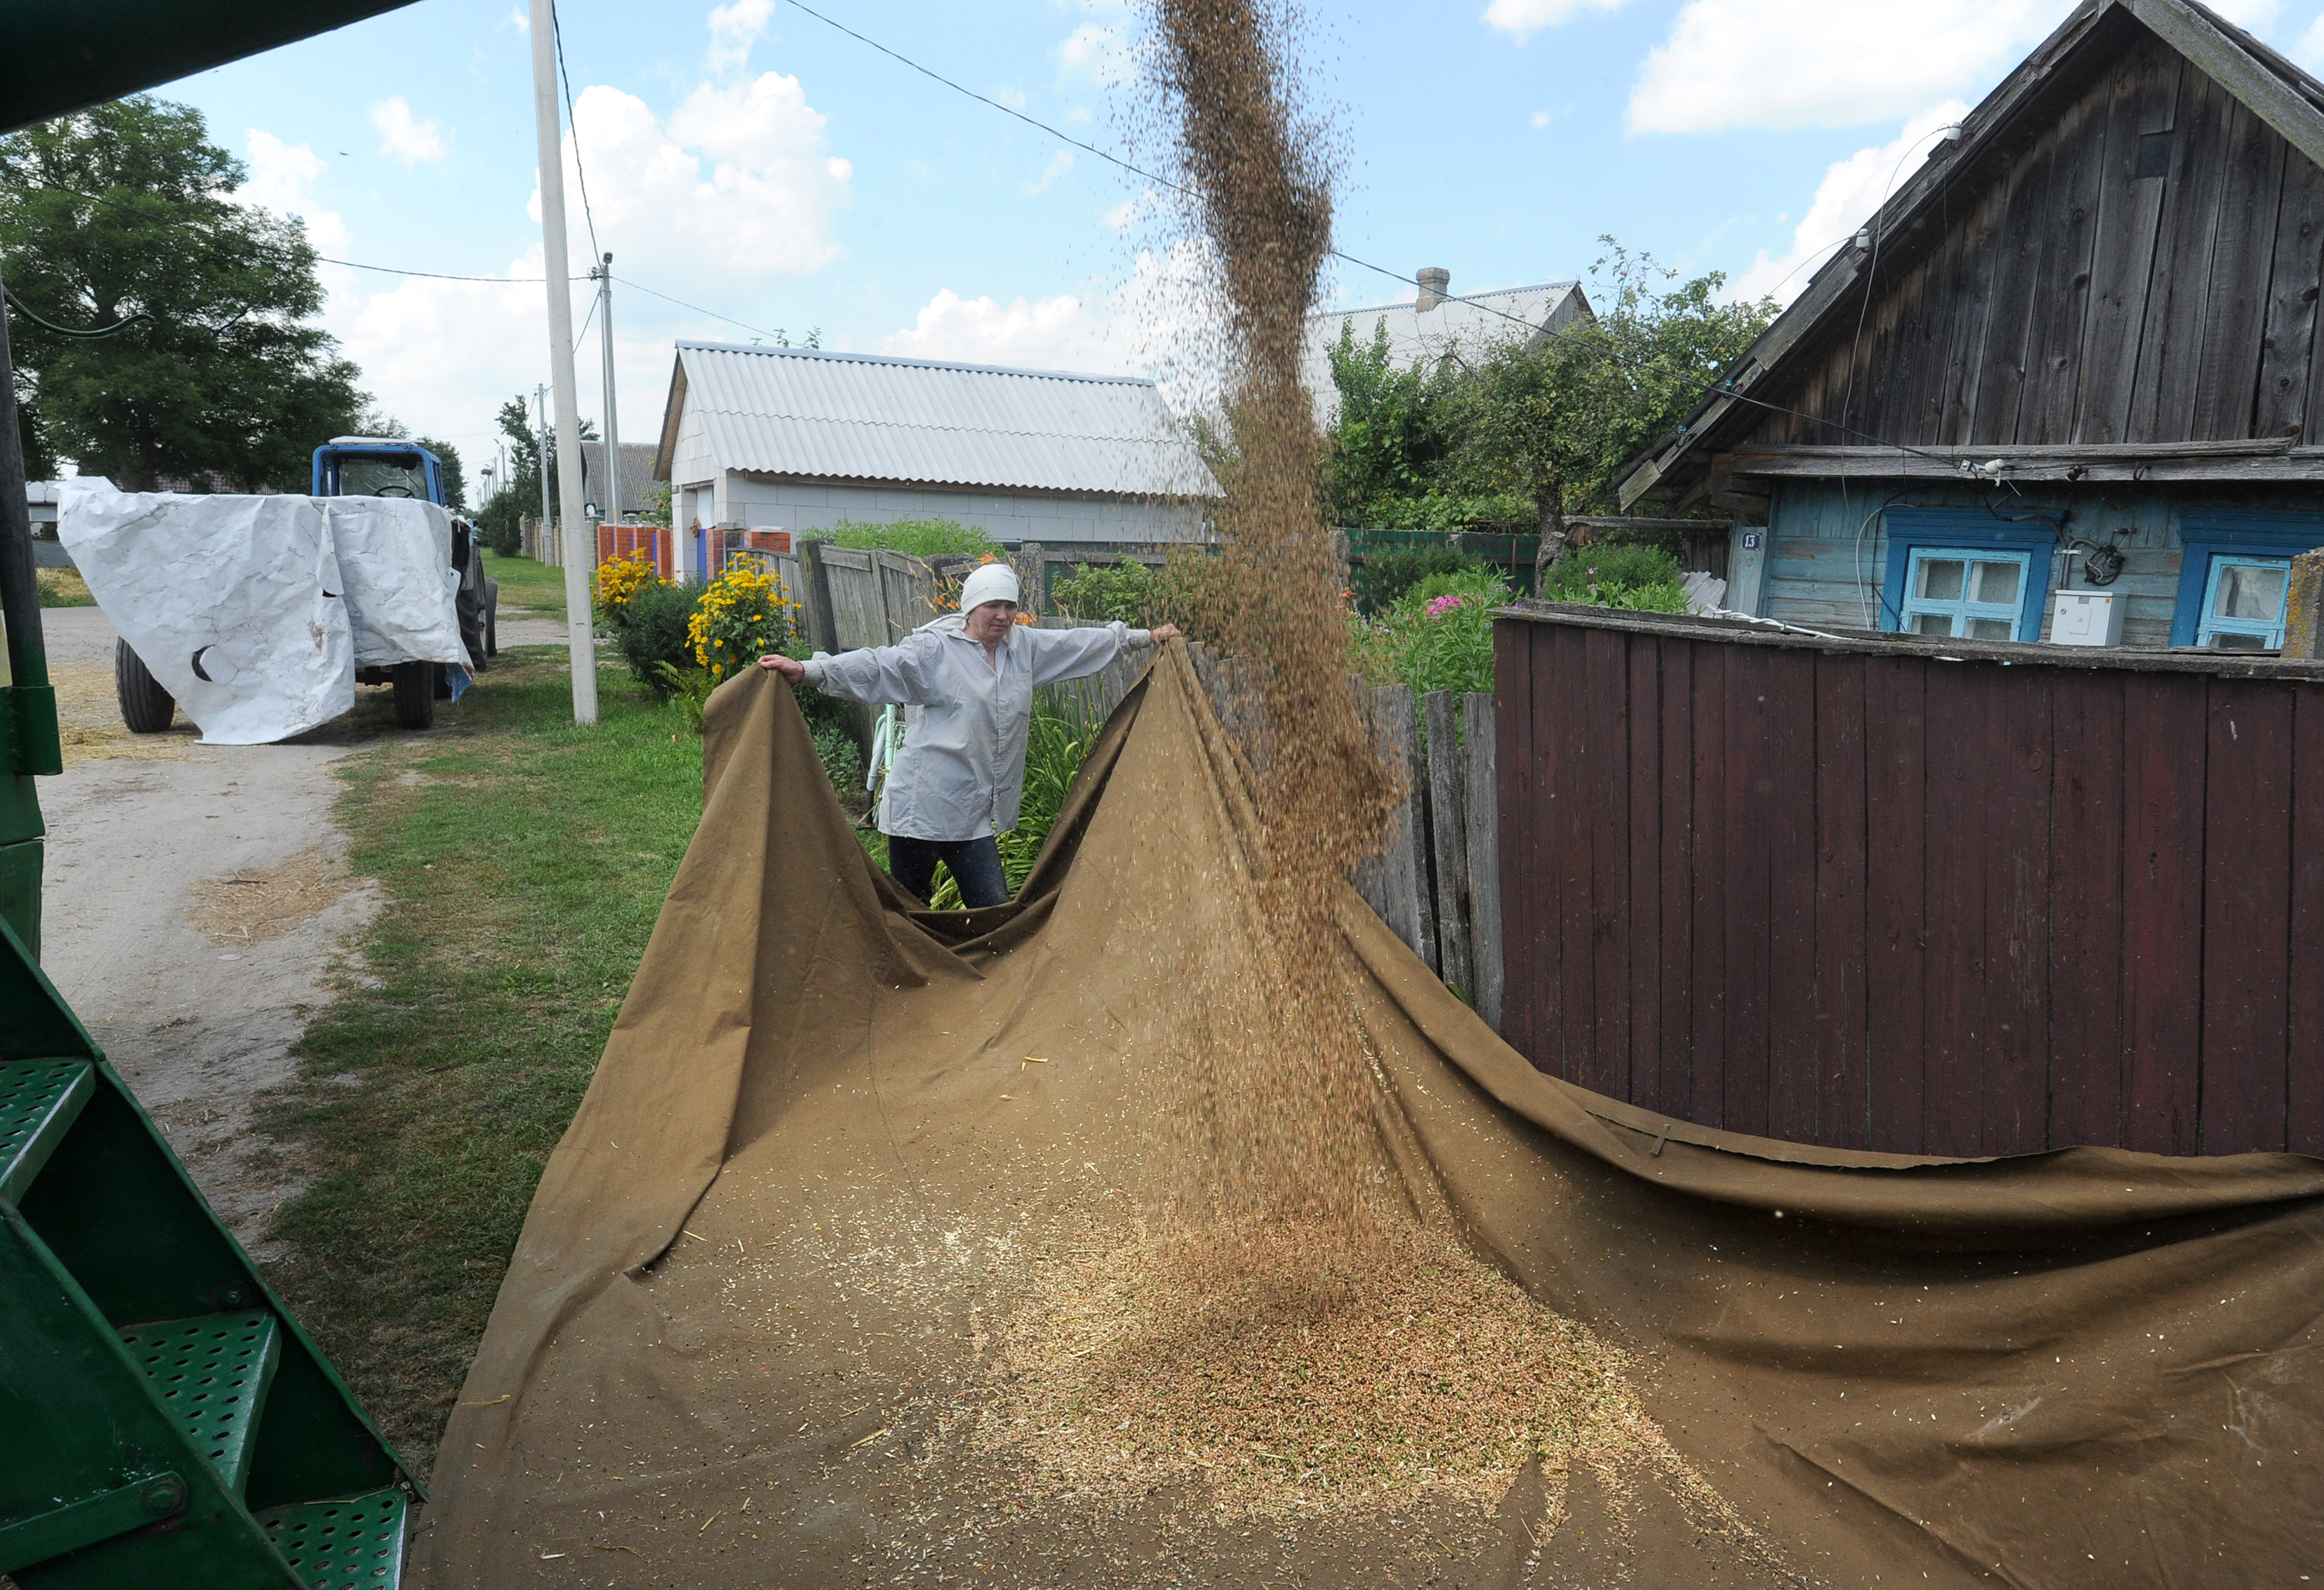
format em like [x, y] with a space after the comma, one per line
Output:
[651, 631]
[922, 538]
[1125, 591]
[1641, 577]
[1382, 578]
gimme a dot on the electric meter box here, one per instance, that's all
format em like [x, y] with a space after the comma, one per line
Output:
[2086, 618]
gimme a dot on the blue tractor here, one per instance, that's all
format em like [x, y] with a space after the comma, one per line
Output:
[363, 467]
[377, 466]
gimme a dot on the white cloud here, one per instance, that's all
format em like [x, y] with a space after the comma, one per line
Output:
[1542, 118]
[405, 138]
[1059, 165]
[517, 18]
[282, 177]
[1525, 16]
[1095, 55]
[1057, 333]
[2310, 50]
[734, 29]
[1825, 63]
[1135, 325]
[2258, 16]
[1851, 189]
[733, 186]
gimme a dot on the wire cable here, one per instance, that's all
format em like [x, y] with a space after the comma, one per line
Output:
[25, 309]
[557, 32]
[1110, 157]
[697, 308]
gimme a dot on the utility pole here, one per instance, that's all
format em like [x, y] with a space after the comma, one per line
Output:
[540, 451]
[605, 275]
[578, 555]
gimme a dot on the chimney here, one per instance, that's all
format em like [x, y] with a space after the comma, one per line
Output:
[1434, 280]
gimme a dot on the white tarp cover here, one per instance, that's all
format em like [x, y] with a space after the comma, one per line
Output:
[396, 556]
[254, 611]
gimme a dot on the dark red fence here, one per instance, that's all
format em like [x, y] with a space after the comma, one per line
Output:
[1943, 898]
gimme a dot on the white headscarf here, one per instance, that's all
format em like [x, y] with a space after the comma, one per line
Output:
[989, 582]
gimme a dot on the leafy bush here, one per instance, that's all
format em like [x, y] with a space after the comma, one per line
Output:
[650, 627]
[500, 524]
[1439, 636]
[617, 580]
[922, 538]
[742, 615]
[1641, 579]
[1126, 591]
[1382, 577]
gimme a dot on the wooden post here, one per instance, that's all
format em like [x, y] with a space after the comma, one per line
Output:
[1448, 841]
[1482, 806]
[1032, 577]
[822, 633]
[1404, 866]
[2300, 603]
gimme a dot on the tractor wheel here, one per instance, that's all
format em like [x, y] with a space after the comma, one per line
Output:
[491, 612]
[146, 707]
[415, 694]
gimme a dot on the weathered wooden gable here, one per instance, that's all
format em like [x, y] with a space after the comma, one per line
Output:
[2142, 266]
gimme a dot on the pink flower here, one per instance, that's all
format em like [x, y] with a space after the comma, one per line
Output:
[1442, 606]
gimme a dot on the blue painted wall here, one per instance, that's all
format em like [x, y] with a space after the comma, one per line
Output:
[1828, 549]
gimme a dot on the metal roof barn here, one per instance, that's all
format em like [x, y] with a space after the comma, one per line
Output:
[802, 439]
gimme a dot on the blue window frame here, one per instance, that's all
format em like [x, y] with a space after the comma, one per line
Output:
[1920, 536]
[1965, 594]
[2209, 539]
[2242, 604]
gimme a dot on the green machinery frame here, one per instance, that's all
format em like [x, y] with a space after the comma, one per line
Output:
[167, 1421]
[163, 1419]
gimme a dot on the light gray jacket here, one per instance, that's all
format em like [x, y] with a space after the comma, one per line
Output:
[961, 772]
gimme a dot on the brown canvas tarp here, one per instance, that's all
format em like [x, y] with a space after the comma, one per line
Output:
[772, 1250]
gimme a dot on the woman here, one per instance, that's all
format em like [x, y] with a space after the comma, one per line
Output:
[970, 679]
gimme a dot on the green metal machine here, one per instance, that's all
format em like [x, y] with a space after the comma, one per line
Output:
[164, 1421]
[168, 1422]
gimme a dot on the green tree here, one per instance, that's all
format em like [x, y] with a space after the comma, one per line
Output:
[1520, 433]
[124, 212]
[455, 478]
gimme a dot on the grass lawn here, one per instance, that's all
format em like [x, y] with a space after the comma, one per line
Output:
[64, 587]
[526, 586]
[523, 862]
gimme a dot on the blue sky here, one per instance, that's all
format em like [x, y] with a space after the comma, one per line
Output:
[749, 160]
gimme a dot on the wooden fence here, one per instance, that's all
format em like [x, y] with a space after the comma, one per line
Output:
[1915, 896]
[1436, 880]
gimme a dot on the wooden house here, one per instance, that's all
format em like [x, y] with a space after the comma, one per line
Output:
[2066, 385]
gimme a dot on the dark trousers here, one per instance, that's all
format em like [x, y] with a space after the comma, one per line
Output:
[976, 866]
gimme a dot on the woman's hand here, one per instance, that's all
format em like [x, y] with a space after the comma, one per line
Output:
[790, 668]
[1168, 632]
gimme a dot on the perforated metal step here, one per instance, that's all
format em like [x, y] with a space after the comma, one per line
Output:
[38, 1102]
[213, 1373]
[355, 1543]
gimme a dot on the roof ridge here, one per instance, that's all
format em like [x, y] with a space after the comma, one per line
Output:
[684, 344]
[1567, 282]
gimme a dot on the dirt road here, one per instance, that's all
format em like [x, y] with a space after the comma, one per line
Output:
[196, 900]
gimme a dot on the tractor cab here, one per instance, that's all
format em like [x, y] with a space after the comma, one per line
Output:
[374, 466]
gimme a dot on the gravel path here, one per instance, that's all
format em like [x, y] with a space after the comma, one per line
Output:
[195, 901]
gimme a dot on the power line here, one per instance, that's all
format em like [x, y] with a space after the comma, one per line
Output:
[697, 308]
[556, 31]
[1109, 156]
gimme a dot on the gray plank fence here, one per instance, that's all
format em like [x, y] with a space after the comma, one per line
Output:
[1436, 880]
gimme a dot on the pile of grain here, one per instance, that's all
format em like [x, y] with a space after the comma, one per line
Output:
[1289, 1375]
